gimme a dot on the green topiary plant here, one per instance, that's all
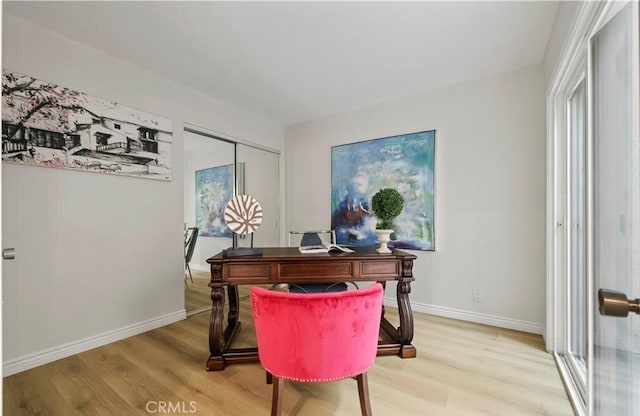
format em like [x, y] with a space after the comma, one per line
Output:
[387, 204]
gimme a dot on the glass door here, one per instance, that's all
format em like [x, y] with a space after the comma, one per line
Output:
[614, 242]
[576, 281]
[569, 295]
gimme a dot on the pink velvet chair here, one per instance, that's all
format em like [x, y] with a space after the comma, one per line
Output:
[317, 337]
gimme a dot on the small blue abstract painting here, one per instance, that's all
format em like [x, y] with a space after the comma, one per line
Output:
[359, 170]
[214, 188]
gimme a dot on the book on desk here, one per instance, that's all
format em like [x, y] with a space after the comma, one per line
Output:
[324, 248]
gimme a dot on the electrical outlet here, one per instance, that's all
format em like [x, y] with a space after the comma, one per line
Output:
[477, 296]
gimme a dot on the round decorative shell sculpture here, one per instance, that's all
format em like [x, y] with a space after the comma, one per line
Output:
[243, 214]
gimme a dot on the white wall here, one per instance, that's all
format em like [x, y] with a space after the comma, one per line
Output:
[98, 256]
[490, 192]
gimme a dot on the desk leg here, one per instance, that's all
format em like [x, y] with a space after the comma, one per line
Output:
[233, 326]
[216, 337]
[384, 287]
[234, 302]
[405, 331]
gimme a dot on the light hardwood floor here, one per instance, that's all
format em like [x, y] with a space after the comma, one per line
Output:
[461, 369]
[197, 293]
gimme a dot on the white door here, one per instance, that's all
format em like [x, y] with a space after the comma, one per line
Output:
[9, 268]
[615, 212]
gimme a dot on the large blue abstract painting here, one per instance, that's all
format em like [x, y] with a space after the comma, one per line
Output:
[359, 170]
[214, 188]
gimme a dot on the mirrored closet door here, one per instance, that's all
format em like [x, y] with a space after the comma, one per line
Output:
[215, 169]
[258, 172]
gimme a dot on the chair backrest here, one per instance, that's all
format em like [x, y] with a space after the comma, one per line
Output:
[190, 243]
[319, 336]
[311, 238]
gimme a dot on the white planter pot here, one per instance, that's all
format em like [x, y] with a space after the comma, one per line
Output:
[384, 236]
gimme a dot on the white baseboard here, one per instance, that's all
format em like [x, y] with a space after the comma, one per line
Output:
[200, 310]
[199, 267]
[480, 318]
[52, 354]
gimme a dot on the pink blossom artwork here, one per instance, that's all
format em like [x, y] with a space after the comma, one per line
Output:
[44, 124]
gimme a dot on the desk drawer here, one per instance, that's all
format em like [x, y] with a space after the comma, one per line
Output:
[335, 270]
[380, 268]
[253, 273]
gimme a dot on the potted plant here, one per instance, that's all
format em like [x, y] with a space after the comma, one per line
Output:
[386, 204]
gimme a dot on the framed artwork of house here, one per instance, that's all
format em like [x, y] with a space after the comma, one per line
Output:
[47, 125]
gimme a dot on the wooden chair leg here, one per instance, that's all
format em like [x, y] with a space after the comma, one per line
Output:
[363, 392]
[276, 399]
[189, 269]
[269, 377]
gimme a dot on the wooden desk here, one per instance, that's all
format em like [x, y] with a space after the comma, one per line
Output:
[285, 264]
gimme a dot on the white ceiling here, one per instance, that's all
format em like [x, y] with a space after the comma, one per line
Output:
[299, 61]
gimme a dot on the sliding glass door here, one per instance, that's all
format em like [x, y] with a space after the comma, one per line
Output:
[595, 221]
[576, 283]
[615, 245]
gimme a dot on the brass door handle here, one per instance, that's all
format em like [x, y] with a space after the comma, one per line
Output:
[612, 303]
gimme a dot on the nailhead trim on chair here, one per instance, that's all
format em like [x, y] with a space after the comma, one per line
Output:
[317, 380]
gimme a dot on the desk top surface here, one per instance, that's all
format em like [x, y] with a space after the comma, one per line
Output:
[282, 253]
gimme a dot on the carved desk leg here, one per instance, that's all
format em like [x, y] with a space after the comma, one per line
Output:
[233, 326]
[216, 336]
[384, 287]
[234, 302]
[405, 331]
